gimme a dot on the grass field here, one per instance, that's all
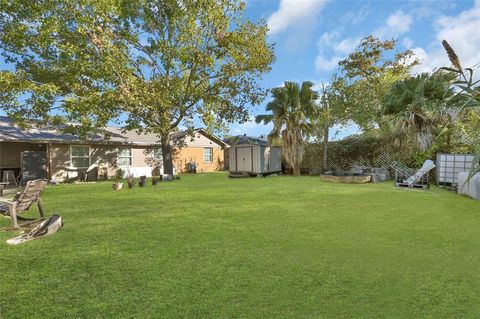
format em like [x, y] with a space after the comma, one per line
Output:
[282, 247]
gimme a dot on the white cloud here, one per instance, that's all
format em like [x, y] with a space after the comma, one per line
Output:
[462, 33]
[399, 21]
[294, 13]
[338, 49]
[421, 56]
[397, 24]
[431, 8]
[328, 38]
[407, 42]
[323, 63]
[346, 46]
[356, 17]
[251, 128]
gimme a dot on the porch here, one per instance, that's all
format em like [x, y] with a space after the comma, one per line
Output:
[22, 161]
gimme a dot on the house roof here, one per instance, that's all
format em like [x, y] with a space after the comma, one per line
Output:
[183, 134]
[244, 139]
[11, 132]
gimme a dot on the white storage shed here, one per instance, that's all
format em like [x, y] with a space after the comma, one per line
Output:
[254, 156]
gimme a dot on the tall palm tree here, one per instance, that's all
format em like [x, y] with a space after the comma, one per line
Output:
[292, 107]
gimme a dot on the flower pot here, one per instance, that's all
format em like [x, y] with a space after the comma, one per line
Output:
[154, 181]
[117, 186]
[131, 184]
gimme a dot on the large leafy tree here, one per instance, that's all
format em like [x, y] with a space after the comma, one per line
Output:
[367, 74]
[150, 64]
[292, 112]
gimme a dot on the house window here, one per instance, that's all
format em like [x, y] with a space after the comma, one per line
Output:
[124, 157]
[208, 154]
[157, 154]
[80, 156]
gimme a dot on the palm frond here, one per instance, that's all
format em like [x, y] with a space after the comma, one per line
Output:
[265, 118]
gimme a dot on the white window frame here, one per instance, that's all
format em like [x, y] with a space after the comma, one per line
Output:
[211, 155]
[72, 157]
[131, 156]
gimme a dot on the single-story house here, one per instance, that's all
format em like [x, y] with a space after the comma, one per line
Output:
[45, 152]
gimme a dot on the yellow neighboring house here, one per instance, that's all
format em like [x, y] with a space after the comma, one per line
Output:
[204, 150]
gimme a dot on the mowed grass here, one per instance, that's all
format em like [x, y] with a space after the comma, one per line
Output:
[281, 247]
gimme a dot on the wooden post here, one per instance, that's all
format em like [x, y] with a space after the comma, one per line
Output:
[49, 145]
[12, 209]
[40, 208]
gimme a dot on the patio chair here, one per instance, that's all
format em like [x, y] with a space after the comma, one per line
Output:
[90, 169]
[18, 180]
[22, 202]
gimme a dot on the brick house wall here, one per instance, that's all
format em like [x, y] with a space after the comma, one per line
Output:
[196, 154]
[194, 151]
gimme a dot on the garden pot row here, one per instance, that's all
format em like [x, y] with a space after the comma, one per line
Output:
[142, 182]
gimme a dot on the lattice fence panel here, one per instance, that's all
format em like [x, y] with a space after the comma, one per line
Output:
[313, 165]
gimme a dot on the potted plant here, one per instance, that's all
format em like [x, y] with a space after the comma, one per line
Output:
[130, 181]
[142, 181]
[118, 185]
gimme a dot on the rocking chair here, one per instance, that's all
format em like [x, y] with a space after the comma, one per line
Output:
[22, 202]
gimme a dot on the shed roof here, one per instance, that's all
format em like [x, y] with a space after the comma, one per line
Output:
[244, 139]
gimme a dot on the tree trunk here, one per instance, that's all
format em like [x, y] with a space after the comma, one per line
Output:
[167, 156]
[449, 140]
[296, 170]
[325, 148]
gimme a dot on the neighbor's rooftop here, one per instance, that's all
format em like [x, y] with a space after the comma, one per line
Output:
[13, 133]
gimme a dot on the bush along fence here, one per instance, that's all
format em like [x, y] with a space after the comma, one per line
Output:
[348, 153]
[357, 151]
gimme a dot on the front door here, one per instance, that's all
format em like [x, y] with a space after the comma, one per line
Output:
[244, 159]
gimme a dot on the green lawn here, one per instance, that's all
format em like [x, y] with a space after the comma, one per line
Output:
[281, 247]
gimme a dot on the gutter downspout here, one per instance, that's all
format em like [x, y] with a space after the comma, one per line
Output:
[48, 164]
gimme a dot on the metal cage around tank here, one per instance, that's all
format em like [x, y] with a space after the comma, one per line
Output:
[448, 167]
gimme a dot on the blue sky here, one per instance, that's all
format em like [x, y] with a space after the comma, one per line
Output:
[311, 36]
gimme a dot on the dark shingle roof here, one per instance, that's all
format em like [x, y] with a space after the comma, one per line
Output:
[244, 139]
[11, 132]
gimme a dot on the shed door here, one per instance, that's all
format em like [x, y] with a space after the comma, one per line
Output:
[244, 159]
